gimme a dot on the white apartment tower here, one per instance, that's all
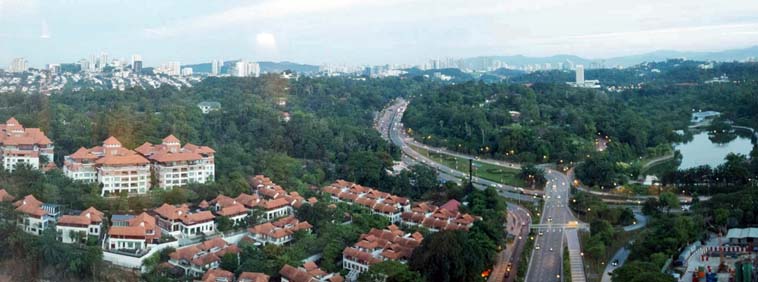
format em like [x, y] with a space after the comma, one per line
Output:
[117, 169]
[579, 74]
[175, 165]
[18, 65]
[19, 145]
[216, 67]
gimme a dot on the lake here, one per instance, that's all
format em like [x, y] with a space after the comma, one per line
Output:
[702, 151]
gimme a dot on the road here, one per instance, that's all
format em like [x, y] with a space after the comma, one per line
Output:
[390, 127]
[621, 255]
[518, 225]
[546, 262]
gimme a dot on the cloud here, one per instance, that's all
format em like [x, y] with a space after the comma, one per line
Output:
[265, 40]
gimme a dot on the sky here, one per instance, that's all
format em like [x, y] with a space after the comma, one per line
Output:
[372, 32]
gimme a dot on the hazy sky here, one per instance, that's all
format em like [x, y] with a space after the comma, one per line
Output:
[365, 31]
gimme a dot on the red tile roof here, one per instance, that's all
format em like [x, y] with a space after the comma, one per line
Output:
[253, 277]
[214, 274]
[5, 196]
[13, 133]
[29, 205]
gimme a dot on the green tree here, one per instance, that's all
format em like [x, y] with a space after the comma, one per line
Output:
[390, 271]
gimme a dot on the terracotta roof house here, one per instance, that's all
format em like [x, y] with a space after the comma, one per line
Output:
[252, 277]
[117, 169]
[377, 246]
[218, 275]
[378, 202]
[278, 232]
[309, 272]
[437, 218]
[27, 146]
[176, 165]
[275, 200]
[88, 223]
[35, 216]
[5, 196]
[196, 259]
[134, 234]
[179, 222]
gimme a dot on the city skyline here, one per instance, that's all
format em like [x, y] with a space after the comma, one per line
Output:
[364, 32]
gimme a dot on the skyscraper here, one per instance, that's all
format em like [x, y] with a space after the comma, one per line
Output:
[102, 61]
[137, 63]
[215, 67]
[18, 65]
[579, 74]
[84, 65]
[244, 68]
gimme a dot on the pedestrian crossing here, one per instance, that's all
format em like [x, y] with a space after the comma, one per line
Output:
[575, 256]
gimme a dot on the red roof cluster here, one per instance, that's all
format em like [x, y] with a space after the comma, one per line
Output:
[252, 277]
[90, 216]
[110, 153]
[390, 243]
[438, 218]
[275, 195]
[30, 206]
[281, 228]
[374, 199]
[12, 133]
[141, 226]
[181, 213]
[5, 196]
[171, 151]
[309, 272]
[204, 253]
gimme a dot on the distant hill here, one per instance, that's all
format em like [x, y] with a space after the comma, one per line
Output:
[265, 67]
[656, 56]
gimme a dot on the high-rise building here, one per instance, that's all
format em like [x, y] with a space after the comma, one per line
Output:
[579, 74]
[216, 67]
[244, 68]
[186, 71]
[102, 61]
[54, 68]
[137, 64]
[84, 65]
[18, 65]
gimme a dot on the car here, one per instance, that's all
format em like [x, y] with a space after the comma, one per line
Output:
[540, 233]
[537, 247]
[615, 262]
[549, 219]
[551, 249]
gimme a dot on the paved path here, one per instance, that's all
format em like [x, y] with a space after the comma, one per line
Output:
[575, 256]
[518, 225]
[621, 255]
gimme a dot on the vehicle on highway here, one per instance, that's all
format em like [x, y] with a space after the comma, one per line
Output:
[615, 262]
[551, 249]
[537, 247]
[540, 233]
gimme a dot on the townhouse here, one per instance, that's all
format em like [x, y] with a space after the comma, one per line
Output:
[276, 201]
[132, 233]
[34, 215]
[381, 203]
[195, 260]
[75, 228]
[179, 222]
[377, 246]
[278, 232]
[23, 146]
[309, 272]
[229, 207]
[253, 277]
[175, 165]
[117, 169]
[220, 275]
[434, 218]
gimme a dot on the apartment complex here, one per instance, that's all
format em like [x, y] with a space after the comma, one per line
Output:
[75, 228]
[381, 203]
[23, 146]
[117, 169]
[377, 246]
[176, 165]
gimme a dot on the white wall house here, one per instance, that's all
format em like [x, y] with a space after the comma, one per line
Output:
[23, 146]
[117, 169]
[174, 165]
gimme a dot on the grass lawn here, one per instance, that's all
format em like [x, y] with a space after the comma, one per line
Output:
[504, 175]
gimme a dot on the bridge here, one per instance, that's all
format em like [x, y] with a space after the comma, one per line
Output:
[562, 227]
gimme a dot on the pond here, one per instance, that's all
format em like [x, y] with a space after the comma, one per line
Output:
[702, 150]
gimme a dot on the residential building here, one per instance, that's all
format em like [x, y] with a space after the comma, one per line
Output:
[277, 201]
[35, 216]
[27, 146]
[309, 272]
[381, 203]
[252, 277]
[137, 64]
[742, 236]
[218, 275]
[278, 232]
[117, 169]
[18, 65]
[244, 68]
[216, 67]
[209, 106]
[180, 223]
[579, 74]
[436, 218]
[74, 228]
[230, 208]
[195, 260]
[186, 71]
[134, 234]
[174, 165]
[700, 117]
[377, 246]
